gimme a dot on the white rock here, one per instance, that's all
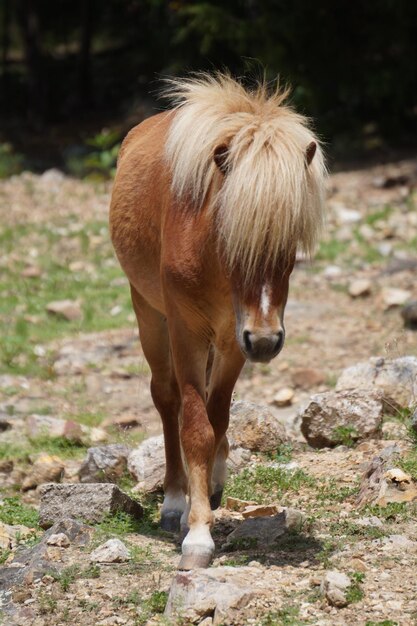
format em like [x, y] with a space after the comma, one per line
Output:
[347, 216]
[284, 397]
[334, 587]
[396, 378]
[147, 463]
[394, 297]
[332, 271]
[60, 539]
[113, 551]
[360, 287]
[67, 309]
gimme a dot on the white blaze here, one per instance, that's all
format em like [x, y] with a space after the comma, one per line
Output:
[265, 300]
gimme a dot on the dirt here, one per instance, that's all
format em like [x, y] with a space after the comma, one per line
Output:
[327, 330]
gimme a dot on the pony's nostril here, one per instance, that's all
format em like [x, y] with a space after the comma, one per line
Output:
[280, 341]
[247, 340]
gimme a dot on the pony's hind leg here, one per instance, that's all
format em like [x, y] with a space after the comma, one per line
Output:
[165, 394]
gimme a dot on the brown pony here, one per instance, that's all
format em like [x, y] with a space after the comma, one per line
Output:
[210, 203]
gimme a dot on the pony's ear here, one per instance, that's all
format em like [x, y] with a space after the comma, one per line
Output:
[220, 157]
[310, 152]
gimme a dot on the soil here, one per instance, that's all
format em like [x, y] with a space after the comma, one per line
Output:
[327, 330]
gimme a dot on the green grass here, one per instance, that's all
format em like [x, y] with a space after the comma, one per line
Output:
[347, 435]
[331, 250]
[13, 512]
[69, 574]
[355, 592]
[59, 446]
[379, 215]
[24, 322]
[265, 484]
[286, 616]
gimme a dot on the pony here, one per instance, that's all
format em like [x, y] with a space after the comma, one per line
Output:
[211, 200]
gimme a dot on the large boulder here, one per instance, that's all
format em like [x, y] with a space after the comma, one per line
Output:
[88, 502]
[266, 530]
[104, 464]
[254, 427]
[395, 378]
[221, 594]
[146, 463]
[336, 417]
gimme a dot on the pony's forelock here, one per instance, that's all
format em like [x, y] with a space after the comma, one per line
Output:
[270, 201]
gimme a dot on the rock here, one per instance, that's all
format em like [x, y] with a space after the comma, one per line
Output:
[347, 216]
[334, 587]
[284, 397]
[372, 522]
[409, 315]
[238, 458]
[217, 593]
[307, 377]
[113, 551]
[382, 482]
[394, 297]
[147, 464]
[259, 510]
[11, 534]
[360, 288]
[59, 539]
[266, 530]
[255, 428]
[47, 425]
[69, 310]
[104, 464]
[234, 504]
[78, 534]
[88, 502]
[45, 469]
[396, 378]
[31, 271]
[333, 416]
[122, 422]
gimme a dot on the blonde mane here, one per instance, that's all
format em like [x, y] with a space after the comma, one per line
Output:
[269, 201]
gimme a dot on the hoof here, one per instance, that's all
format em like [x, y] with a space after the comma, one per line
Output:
[216, 499]
[193, 561]
[170, 521]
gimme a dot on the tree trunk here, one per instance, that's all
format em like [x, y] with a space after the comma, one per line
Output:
[84, 73]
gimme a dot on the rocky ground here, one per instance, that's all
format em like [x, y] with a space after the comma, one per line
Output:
[338, 544]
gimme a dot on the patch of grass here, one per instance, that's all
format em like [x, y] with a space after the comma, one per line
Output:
[146, 607]
[237, 561]
[264, 484]
[355, 592]
[286, 616]
[59, 446]
[4, 555]
[348, 529]
[24, 322]
[121, 524]
[330, 491]
[385, 622]
[14, 512]
[331, 250]
[393, 511]
[329, 546]
[409, 463]
[47, 604]
[74, 572]
[379, 215]
[347, 435]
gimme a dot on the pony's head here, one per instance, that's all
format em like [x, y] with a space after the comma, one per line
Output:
[255, 164]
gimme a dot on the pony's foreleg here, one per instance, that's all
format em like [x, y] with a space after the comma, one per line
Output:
[198, 442]
[226, 369]
[166, 396]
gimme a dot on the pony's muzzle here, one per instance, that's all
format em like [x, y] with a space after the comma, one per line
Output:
[262, 348]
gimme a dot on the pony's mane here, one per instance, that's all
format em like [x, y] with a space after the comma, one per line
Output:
[269, 201]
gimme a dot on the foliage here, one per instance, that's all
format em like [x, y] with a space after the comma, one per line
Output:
[13, 512]
[100, 161]
[343, 59]
[262, 482]
[10, 162]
